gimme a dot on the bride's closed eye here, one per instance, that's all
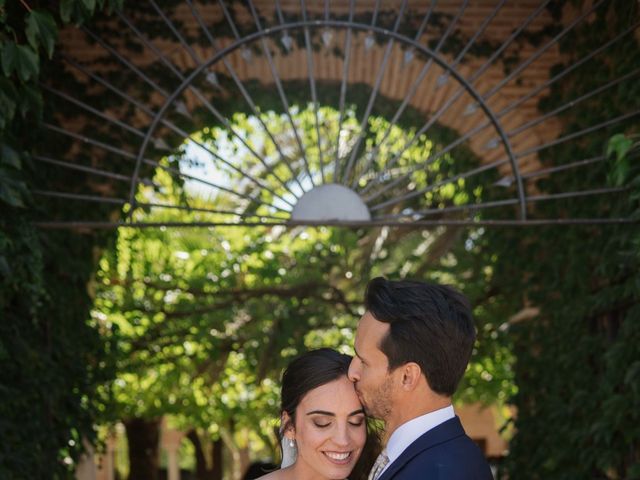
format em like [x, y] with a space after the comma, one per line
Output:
[356, 422]
[321, 425]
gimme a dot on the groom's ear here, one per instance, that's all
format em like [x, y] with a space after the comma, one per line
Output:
[411, 373]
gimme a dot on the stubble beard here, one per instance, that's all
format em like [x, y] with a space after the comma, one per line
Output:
[380, 406]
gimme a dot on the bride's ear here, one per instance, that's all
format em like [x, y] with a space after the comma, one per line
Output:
[287, 428]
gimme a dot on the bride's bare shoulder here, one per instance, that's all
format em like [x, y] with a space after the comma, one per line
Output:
[275, 475]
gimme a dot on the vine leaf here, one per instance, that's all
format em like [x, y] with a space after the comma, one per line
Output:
[10, 157]
[89, 4]
[619, 145]
[7, 57]
[5, 270]
[31, 100]
[41, 29]
[80, 10]
[11, 191]
[21, 59]
[8, 94]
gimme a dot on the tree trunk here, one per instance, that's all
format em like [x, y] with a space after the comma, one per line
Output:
[202, 470]
[143, 437]
[216, 456]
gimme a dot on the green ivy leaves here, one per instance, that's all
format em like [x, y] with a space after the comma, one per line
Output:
[618, 148]
[41, 31]
[12, 190]
[78, 11]
[19, 59]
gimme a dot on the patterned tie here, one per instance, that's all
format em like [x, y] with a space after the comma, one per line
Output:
[378, 467]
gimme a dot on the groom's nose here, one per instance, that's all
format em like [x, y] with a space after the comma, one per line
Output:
[354, 370]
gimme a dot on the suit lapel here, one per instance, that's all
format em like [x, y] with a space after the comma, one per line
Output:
[442, 433]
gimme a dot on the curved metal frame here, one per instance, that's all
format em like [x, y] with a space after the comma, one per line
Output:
[336, 24]
[388, 179]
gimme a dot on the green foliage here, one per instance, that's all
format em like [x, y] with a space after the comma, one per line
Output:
[19, 59]
[41, 30]
[24, 32]
[203, 320]
[618, 148]
[52, 359]
[576, 351]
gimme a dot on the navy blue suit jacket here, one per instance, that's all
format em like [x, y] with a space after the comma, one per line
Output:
[443, 453]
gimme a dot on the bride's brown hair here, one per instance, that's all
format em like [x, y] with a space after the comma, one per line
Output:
[312, 370]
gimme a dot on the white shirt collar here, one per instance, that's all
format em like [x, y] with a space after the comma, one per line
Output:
[409, 432]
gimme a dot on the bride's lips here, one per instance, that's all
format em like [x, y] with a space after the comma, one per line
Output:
[338, 458]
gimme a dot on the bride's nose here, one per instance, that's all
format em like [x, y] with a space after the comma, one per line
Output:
[342, 436]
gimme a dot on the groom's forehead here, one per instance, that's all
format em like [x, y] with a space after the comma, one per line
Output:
[370, 331]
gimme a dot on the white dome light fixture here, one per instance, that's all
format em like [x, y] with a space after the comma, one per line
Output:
[330, 202]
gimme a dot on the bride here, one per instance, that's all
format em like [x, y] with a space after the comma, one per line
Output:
[324, 428]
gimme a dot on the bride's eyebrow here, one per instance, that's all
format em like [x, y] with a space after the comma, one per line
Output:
[331, 414]
[321, 412]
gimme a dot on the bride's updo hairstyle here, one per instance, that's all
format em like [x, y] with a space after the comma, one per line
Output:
[312, 370]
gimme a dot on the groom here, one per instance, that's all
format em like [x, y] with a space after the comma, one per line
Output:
[412, 347]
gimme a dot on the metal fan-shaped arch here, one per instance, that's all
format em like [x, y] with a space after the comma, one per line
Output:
[394, 113]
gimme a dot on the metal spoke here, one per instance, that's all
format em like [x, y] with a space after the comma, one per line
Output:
[132, 156]
[561, 168]
[579, 133]
[312, 86]
[126, 62]
[414, 215]
[122, 201]
[215, 113]
[80, 197]
[478, 74]
[96, 112]
[572, 103]
[205, 210]
[391, 163]
[194, 56]
[162, 63]
[511, 107]
[81, 168]
[372, 98]
[245, 94]
[582, 193]
[446, 181]
[346, 224]
[165, 122]
[144, 77]
[567, 70]
[537, 54]
[343, 91]
[501, 203]
[281, 93]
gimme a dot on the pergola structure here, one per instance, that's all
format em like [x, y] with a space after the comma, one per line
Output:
[456, 76]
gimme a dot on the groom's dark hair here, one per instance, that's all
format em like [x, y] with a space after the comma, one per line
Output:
[430, 325]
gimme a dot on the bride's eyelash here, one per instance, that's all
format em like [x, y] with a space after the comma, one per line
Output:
[357, 424]
[321, 425]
